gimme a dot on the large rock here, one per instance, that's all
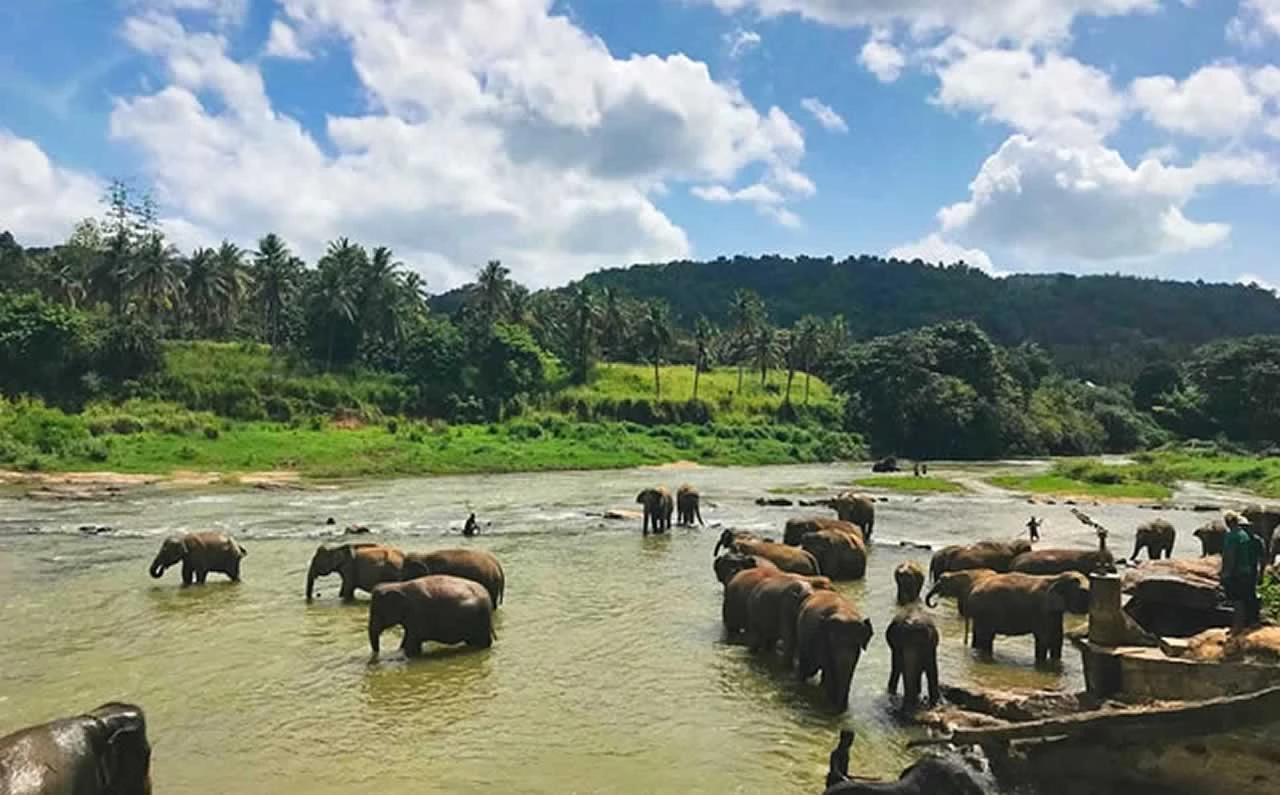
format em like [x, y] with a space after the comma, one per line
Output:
[1176, 597]
[1258, 645]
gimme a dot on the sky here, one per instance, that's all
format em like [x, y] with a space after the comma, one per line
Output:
[562, 136]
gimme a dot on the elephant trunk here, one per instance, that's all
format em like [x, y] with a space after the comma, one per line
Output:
[312, 573]
[157, 568]
[928, 598]
[719, 543]
[375, 632]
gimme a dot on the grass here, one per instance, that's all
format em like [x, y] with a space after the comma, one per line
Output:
[911, 484]
[1056, 484]
[1259, 475]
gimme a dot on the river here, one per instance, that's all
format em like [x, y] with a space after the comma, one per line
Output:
[609, 674]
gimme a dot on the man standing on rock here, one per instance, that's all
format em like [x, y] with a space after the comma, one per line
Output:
[1242, 567]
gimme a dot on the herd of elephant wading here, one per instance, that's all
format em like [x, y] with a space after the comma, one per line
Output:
[778, 595]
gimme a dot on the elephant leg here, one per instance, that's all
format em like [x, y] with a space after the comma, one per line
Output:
[411, 645]
[202, 574]
[911, 688]
[348, 591]
[895, 669]
[1041, 648]
[931, 673]
[806, 665]
[233, 571]
[188, 573]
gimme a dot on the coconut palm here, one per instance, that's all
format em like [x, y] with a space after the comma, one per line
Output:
[656, 337]
[277, 274]
[746, 313]
[200, 289]
[584, 314]
[153, 280]
[493, 293]
[807, 339]
[232, 282]
[703, 339]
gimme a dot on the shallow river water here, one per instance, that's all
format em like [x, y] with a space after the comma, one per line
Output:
[609, 675]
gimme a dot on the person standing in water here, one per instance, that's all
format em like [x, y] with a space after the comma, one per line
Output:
[1033, 528]
[471, 527]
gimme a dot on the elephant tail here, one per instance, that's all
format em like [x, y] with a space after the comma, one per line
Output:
[928, 598]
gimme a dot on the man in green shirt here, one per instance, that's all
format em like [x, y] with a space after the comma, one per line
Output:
[1242, 566]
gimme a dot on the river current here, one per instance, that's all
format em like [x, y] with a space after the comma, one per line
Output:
[609, 675]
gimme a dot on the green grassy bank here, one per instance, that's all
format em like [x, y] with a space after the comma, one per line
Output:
[909, 484]
[1153, 475]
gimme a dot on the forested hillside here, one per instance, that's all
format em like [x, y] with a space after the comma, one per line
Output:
[1104, 328]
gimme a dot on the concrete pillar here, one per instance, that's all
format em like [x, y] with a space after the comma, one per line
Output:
[1106, 621]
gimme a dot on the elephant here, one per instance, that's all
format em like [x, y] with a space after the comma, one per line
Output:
[1211, 536]
[439, 607]
[658, 507]
[473, 564]
[840, 556]
[735, 609]
[830, 637]
[932, 774]
[688, 503]
[102, 752]
[1157, 537]
[887, 464]
[1026, 604]
[361, 566]
[796, 529]
[772, 607]
[730, 563]
[858, 509]
[787, 558]
[957, 585]
[1264, 521]
[199, 554]
[1057, 561]
[913, 645]
[909, 578]
[997, 555]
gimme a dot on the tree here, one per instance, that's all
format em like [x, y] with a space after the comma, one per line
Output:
[201, 290]
[746, 314]
[233, 284]
[333, 298]
[493, 293]
[657, 336]
[613, 323]
[153, 280]
[703, 338]
[277, 274]
[764, 349]
[807, 342]
[585, 315]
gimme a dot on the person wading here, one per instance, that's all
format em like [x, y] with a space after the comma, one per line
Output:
[1241, 570]
[471, 527]
[1033, 528]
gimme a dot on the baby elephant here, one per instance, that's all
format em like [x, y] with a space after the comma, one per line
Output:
[102, 752]
[199, 554]
[439, 607]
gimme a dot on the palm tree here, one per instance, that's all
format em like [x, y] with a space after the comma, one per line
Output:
[201, 289]
[493, 292]
[746, 313]
[233, 283]
[764, 349]
[807, 339]
[655, 332]
[276, 276]
[703, 337]
[584, 314]
[153, 279]
[378, 284]
[613, 323]
[332, 292]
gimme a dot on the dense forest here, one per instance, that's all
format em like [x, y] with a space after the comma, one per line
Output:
[921, 361]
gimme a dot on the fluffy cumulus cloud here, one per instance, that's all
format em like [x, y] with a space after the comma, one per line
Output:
[881, 57]
[1257, 22]
[42, 201]
[936, 250]
[1087, 203]
[1219, 100]
[495, 129]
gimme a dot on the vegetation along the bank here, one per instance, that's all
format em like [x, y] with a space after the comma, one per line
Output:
[117, 351]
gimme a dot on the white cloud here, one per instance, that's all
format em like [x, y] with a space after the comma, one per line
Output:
[1050, 96]
[991, 21]
[935, 250]
[1217, 101]
[223, 11]
[496, 130]
[1256, 21]
[881, 58]
[823, 112]
[282, 42]
[740, 41]
[1087, 203]
[42, 201]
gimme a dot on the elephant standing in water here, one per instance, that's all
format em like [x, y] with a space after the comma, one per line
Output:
[658, 507]
[840, 555]
[437, 607]
[102, 752]
[361, 566]
[1157, 537]
[1026, 604]
[730, 563]
[1058, 561]
[1211, 536]
[199, 554]
[772, 606]
[913, 639]
[996, 555]
[956, 585]
[932, 774]
[830, 637]
[787, 558]
[688, 503]
[858, 509]
[473, 564]
[796, 529]
[909, 578]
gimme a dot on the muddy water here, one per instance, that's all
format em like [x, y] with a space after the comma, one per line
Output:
[609, 674]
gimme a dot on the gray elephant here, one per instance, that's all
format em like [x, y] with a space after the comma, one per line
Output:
[830, 638]
[102, 752]
[913, 650]
[956, 585]
[437, 607]
[1264, 520]
[787, 558]
[1211, 537]
[688, 506]
[856, 508]
[772, 608]
[199, 554]
[658, 507]
[1026, 604]
[361, 566]
[473, 564]
[932, 774]
[1057, 561]
[840, 556]
[730, 563]
[1156, 537]
[997, 555]
[735, 608]
[796, 529]
[909, 578]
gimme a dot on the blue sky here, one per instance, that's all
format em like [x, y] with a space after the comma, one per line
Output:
[1133, 136]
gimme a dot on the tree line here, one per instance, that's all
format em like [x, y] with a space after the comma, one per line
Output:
[84, 320]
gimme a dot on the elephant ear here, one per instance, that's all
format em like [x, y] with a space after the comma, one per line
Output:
[184, 545]
[124, 754]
